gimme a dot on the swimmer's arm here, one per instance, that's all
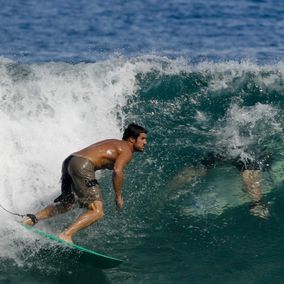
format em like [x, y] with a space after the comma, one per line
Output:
[118, 176]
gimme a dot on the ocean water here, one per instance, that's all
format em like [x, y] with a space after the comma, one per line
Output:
[201, 76]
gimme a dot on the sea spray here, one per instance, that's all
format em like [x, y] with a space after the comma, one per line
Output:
[49, 110]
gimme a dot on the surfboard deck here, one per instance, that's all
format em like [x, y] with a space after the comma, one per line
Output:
[99, 260]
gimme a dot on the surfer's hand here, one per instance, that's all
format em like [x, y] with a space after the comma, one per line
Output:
[119, 202]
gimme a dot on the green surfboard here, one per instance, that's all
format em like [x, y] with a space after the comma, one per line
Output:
[99, 260]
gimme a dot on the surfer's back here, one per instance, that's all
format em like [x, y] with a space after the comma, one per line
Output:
[104, 153]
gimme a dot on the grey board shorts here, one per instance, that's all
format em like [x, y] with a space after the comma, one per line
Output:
[78, 182]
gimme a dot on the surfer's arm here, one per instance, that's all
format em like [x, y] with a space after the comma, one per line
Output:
[118, 176]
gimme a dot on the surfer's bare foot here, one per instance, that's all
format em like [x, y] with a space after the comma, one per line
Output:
[28, 221]
[259, 211]
[65, 238]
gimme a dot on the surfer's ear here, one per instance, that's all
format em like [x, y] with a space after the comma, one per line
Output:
[132, 139]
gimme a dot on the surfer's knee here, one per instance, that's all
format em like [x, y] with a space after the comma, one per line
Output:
[97, 208]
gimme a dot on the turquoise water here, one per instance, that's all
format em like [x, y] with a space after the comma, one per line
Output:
[175, 226]
[201, 76]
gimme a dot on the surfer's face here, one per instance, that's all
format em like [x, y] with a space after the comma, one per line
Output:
[140, 142]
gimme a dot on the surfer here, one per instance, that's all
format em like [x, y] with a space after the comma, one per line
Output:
[78, 180]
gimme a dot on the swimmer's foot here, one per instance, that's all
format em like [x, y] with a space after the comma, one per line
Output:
[259, 210]
[65, 238]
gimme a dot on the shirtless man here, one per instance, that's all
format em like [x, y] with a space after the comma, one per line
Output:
[78, 180]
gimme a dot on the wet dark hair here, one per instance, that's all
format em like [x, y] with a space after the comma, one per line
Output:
[133, 131]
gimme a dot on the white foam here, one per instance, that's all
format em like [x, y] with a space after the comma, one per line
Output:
[47, 111]
[245, 127]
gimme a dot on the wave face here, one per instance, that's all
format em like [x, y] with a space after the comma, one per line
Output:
[172, 214]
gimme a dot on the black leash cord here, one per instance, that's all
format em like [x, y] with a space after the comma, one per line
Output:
[16, 214]
[31, 216]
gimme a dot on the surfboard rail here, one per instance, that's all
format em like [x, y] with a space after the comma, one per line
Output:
[100, 260]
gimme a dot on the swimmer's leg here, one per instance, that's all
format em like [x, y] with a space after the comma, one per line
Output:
[251, 181]
[252, 185]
